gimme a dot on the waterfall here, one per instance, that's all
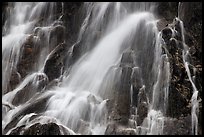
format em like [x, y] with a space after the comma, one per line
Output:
[114, 39]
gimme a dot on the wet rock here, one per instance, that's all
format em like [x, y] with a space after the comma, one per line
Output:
[115, 129]
[142, 108]
[77, 52]
[180, 90]
[56, 36]
[123, 107]
[83, 128]
[38, 105]
[136, 81]
[55, 63]
[30, 89]
[18, 130]
[180, 126]
[162, 23]
[43, 129]
[14, 79]
[111, 129]
[177, 103]
[168, 10]
[38, 129]
[72, 19]
[166, 34]
[127, 59]
[5, 108]
[190, 13]
[30, 52]
[127, 131]
[52, 84]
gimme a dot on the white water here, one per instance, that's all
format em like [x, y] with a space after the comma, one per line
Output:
[90, 72]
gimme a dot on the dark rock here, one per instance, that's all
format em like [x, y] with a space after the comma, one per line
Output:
[180, 126]
[142, 108]
[190, 13]
[17, 130]
[136, 81]
[177, 103]
[166, 34]
[77, 52]
[162, 23]
[83, 128]
[125, 83]
[127, 131]
[37, 129]
[180, 90]
[111, 129]
[31, 88]
[72, 20]
[14, 79]
[123, 107]
[56, 36]
[43, 129]
[38, 105]
[30, 52]
[115, 129]
[168, 10]
[55, 63]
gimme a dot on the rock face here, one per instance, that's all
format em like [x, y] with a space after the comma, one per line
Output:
[168, 10]
[181, 90]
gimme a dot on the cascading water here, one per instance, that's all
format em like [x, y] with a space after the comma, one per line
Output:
[79, 103]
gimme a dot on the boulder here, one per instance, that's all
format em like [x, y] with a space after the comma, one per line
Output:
[54, 66]
[37, 129]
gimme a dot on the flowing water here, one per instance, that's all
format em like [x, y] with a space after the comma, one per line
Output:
[79, 103]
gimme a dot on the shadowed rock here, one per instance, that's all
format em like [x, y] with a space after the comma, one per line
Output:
[54, 66]
[38, 129]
